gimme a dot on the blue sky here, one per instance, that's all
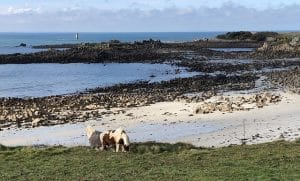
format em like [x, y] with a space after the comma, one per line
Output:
[148, 15]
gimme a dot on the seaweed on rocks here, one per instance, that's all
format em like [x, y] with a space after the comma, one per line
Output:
[61, 109]
[288, 79]
[144, 52]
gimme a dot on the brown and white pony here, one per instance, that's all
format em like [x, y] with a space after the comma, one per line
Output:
[116, 137]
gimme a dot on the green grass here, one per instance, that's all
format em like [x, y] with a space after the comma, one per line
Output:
[153, 161]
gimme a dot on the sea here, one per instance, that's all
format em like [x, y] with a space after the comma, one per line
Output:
[15, 39]
[9, 42]
[37, 80]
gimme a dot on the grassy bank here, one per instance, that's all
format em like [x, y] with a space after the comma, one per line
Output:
[153, 161]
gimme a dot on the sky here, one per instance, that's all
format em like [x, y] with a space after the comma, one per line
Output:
[148, 15]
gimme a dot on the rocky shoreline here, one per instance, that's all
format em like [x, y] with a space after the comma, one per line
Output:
[16, 112]
[217, 76]
[288, 79]
[139, 52]
[150, 51]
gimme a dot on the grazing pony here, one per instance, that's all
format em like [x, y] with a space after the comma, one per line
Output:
[94, 137]
[116, 137]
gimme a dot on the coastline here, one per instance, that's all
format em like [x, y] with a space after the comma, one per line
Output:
[176, 122]
[166, 111]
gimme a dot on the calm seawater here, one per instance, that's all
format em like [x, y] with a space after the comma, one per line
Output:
[14, 39]
[36, 80]
[9, 41]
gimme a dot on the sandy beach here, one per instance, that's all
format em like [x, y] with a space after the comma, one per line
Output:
[177, 122]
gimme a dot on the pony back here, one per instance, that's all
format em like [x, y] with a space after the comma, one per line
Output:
[119, 131]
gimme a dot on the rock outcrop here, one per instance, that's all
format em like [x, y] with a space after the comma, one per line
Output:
[229, 104]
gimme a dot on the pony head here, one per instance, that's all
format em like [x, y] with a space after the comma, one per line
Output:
[125, 139]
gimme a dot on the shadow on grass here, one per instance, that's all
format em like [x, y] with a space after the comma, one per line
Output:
[154, 147]
[6, 148]
[138, 148]
[144, 147]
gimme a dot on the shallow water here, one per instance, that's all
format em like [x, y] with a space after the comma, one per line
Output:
[232, 61]
[36, 80]
[233, 49]
[21, 50]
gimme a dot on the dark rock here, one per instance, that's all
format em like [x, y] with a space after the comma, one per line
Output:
[22, 45]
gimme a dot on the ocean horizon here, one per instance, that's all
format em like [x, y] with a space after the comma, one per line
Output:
[12, 39]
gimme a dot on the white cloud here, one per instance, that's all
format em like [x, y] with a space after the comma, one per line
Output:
[13, 11]
[225, 18]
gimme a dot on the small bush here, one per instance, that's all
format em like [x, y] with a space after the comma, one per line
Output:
[3, 148]
[247, 35]
[262, 36]
[240, 35]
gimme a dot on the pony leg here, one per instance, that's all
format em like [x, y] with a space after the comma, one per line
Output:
[117, 147]
[123, 148]
[103, 147]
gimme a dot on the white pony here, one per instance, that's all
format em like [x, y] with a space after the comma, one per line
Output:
[116, 137]
[94, 137]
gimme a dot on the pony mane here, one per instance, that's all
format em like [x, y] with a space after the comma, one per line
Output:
[120, 130]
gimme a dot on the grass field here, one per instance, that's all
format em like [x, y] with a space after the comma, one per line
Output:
[153, 161]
